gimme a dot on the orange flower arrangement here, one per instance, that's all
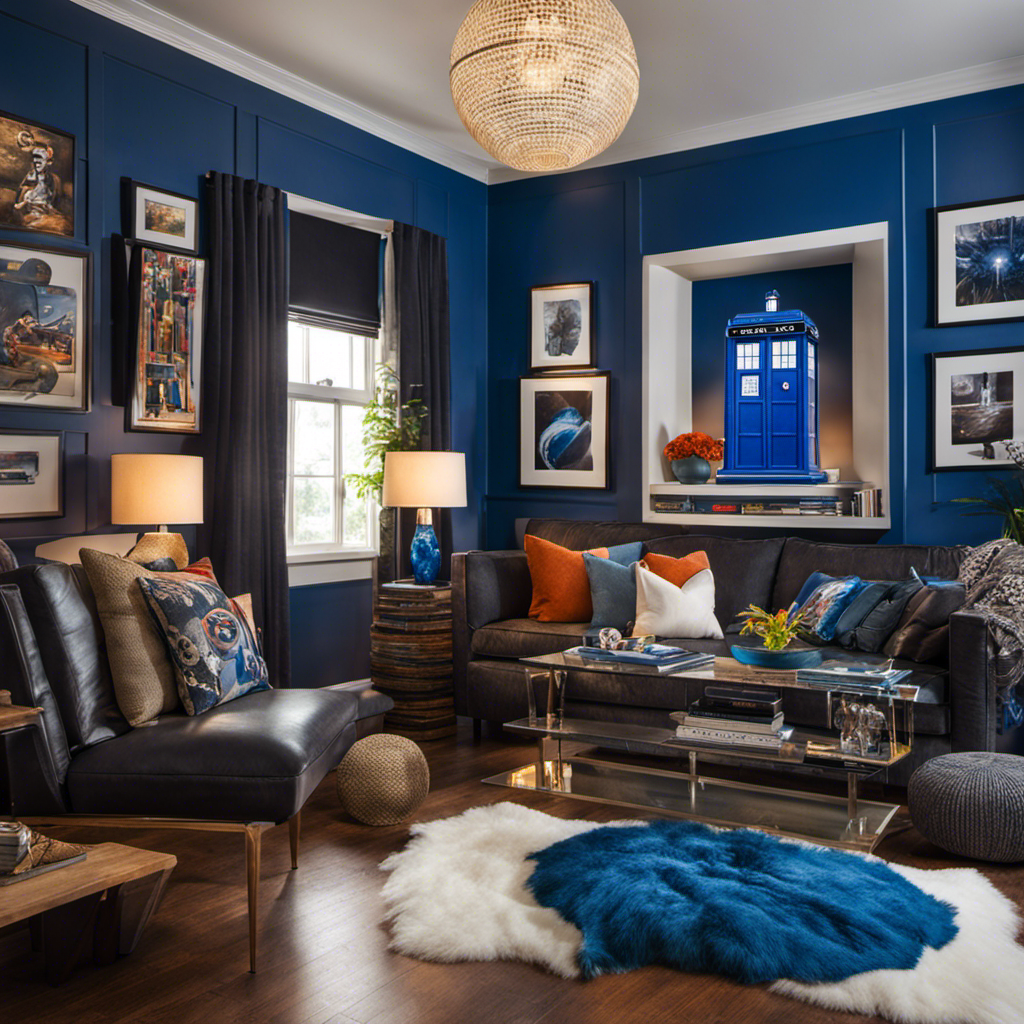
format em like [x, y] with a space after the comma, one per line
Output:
[694, 443]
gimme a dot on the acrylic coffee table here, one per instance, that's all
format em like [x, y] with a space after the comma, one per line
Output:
[564, 769]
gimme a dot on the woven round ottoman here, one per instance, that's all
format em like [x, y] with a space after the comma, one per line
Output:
[971, 804]
[382, 779]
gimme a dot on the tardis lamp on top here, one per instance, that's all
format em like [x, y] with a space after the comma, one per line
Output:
[771, 398]
[424, 481]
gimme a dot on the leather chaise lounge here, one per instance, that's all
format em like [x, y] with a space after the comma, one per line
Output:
[243, 766]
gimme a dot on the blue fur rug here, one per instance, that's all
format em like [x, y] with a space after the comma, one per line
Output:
[738, 903]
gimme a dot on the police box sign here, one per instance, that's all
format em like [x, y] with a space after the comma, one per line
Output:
[755, 330]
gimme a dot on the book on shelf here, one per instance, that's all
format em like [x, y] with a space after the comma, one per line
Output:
[731, 738]
[763, 702]
[714, 721]
[868, 502]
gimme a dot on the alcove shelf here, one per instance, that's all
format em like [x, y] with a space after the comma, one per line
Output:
[667, 370]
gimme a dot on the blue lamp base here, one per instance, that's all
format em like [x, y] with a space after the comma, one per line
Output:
[425, 554]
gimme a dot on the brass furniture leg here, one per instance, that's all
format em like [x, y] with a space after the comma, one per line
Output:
[253, 834]
[294, 823]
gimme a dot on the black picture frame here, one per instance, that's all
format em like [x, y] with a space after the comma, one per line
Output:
[15, 393]
[944, 267]
[11, 139]
[949, 456]
[18, 473]
[135, 388]
[543, 362]
[131, 193]
[530, 439]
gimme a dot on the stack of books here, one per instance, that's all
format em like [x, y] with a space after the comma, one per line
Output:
[863, 676]
[726, 717]
[14, 844]
[823, 506]
[658, 657]
[868, 502]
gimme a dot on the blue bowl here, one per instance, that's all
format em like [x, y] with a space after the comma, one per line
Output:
[801, 657]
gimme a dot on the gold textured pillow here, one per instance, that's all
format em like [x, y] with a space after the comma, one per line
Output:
[152, 546]
[139, 665]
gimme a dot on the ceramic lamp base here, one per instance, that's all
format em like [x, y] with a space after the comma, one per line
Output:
[425, 554]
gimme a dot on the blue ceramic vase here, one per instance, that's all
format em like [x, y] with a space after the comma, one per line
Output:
[796, 657]
[691, 470]
[425, 555]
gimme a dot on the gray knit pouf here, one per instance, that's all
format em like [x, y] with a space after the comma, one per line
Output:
[971, 804]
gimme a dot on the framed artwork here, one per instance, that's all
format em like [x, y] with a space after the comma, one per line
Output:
[44, 328]
[31, 474]
[563, 430]
[37, 177]
[977, 403]
[167, 219]
[979, 262]
[561, 316]
[166, 346]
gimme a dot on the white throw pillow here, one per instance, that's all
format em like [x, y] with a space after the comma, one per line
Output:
[664, 609]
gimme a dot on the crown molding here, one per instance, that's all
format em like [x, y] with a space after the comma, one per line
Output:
[979, 78]
[144, 18]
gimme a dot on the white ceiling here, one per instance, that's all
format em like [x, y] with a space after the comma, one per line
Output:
[710, 70]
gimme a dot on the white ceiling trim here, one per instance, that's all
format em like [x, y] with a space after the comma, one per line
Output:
[979, 78]
[182, 35]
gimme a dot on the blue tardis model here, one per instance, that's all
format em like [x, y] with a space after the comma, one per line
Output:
[771, 398]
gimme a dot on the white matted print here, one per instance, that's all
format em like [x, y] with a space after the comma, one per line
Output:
[560, 327]
[564, 431]
[978, 402]
[31, 474]
[167, 219]
[979, 262]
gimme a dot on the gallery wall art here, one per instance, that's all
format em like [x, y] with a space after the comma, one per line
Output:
[31, 474]
[44, 328]
[561, 335]
[166, 347]
[37, 177]
[167, 219]
[979, 262]
[977, 403]
[563, 430]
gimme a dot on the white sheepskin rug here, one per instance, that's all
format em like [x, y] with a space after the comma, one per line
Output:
[458, 892]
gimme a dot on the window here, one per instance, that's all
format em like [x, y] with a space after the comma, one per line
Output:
[748, 355]
[330, 380]
[784, 354]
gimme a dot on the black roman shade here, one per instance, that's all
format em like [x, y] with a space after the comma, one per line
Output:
[334, 274]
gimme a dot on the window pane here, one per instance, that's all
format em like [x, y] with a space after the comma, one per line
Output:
[313, 443]
[330, 358]
[296, 357]
[356, 510]
[314, 510]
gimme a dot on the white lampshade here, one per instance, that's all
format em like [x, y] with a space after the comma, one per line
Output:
[424, 480]
[156, 489]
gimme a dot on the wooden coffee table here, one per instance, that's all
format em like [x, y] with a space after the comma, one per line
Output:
[100, 904]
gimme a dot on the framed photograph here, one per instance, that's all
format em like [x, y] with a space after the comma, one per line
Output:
[166, 346]
[37, 177]
[977, 403]
[560, 327]
[563, 430]
[31, 474]
[44, 328]
[979, 262]
[167, 219]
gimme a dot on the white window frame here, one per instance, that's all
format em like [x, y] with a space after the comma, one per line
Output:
[307, 561]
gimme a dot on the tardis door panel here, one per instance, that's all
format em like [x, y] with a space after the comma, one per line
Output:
[746, 420]
[784, 420]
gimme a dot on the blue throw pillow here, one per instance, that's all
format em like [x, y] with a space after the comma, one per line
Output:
[811, 584]
[625, 554]
[213, 650]
[825, 605]
[612, 592]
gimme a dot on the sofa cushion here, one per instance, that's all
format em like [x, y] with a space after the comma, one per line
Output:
[526, 638]
[663, 609]
[612, 592]
[821, 610]
[255, 759]
[923, 631]
[676, 570]
[869, 561]
[881, 621]
[580, 534]
[561, 589]
[744, 570]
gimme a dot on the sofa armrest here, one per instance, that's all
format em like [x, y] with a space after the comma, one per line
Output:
[487, 586]
[974, 715]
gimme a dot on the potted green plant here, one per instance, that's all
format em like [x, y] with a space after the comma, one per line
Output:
[389, 425]
[777, 631]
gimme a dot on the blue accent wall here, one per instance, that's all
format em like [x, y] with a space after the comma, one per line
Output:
[145, 110]
[598, 224]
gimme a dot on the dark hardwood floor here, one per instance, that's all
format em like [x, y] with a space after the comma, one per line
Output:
[323, 951]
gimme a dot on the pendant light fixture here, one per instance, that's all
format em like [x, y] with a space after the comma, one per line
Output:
[543, 85]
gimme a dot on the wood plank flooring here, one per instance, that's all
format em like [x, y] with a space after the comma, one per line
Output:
[323, 951]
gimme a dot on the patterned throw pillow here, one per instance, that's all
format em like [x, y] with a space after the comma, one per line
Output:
[213, 649]
[822, 609]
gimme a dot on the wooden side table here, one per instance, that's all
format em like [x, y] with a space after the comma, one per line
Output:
[411, 657]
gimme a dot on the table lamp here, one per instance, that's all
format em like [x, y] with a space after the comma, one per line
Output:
[157, 489]
[424, 481]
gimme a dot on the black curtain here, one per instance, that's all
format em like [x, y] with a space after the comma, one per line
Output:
[421, 287]
[246, 398]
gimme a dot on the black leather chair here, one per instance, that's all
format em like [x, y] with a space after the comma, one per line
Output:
[245, 766]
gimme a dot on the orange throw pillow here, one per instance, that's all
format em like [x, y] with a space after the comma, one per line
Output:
[561, 587]
[676, 570]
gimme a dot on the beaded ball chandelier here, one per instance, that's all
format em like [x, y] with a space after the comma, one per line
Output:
[543, 85]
